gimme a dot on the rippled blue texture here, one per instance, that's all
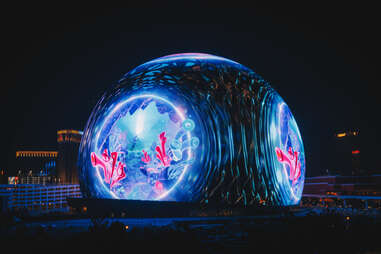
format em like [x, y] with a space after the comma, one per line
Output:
[229, 137]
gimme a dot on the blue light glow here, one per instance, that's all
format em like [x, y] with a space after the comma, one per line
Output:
[193, 127]
[137, 131]
[284, 134]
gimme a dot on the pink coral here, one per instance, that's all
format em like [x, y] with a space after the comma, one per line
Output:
[291, 159]
[159, 187]
[146, 157]
[161, 154]
[112, 174]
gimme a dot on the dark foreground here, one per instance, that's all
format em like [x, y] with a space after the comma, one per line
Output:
[324, 231]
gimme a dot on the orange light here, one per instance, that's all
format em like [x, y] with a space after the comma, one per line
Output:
[36, 154]
[340, 135]
[347, 218]
[69, 132]
[126, 227]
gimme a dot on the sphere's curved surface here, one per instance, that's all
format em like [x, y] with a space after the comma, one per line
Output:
[192, 127]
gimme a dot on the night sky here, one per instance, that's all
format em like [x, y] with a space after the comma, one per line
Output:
[322, 59]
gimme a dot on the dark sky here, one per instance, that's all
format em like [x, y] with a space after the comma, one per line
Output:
[323, 59]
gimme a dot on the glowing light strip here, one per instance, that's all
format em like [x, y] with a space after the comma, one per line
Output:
[340, 135]
[70, 132]
[36, 154]
[196, 56]
[116, 108]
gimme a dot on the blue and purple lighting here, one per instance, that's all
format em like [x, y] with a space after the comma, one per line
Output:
[151, 141]
[193, 127]
[288, 161]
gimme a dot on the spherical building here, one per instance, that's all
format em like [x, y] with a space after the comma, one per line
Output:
[193, 127]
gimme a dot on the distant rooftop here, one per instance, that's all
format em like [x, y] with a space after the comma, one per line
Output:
[52, 154]
[69, 132]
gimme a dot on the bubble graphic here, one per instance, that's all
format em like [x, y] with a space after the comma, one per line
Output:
[188, 125]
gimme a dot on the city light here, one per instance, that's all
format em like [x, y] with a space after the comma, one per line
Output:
[69, 132]
[355, 151]
[36, 154]
[347, 133]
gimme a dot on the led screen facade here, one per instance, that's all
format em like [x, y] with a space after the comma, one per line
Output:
[192, 127]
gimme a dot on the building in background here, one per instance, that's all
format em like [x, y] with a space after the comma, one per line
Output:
[36, 162]
[44, 179]
[347, 184]
[3, 176]
[45, 167]
[67, 146]
[347, 154]
[35, 167]
[37, 197]
[369, 185]
[343, 191]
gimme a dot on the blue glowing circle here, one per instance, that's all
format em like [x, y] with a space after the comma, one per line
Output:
[138, 130]
[287, 158]
[188, 125]
[195, 142]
